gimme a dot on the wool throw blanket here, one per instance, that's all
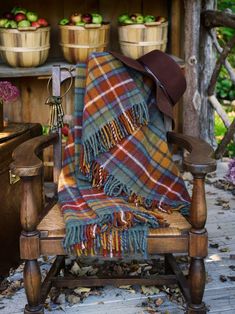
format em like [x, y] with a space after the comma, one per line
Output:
[118, 173]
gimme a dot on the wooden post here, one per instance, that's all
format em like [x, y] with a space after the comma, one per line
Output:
[191, 99]
[198, 242]
[29, 247]
[207, 61]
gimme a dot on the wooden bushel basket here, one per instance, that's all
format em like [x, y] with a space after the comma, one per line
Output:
[26, 47]
[78, 42]
[139, 39]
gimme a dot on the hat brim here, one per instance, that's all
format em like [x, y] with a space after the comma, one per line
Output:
[162, 101]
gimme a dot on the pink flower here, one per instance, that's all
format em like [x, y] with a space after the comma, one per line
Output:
[8, 92]
[230, 176]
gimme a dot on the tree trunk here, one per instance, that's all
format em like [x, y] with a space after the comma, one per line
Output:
[207, 64]
[191, 99]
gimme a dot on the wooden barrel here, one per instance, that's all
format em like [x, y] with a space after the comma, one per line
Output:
[78, 42]
[139, 39]
[24, 48]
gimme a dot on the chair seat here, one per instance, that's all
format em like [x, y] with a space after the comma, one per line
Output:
[52, 226]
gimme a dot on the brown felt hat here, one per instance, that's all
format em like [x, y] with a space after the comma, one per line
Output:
[166, 73]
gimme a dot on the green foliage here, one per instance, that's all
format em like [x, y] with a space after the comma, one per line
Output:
[224, 4]
[220, 130]
[224, 86]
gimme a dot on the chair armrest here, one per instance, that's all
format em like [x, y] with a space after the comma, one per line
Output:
[26, 162]
[201, 155]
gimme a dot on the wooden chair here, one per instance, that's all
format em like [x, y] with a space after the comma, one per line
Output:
[43, 227]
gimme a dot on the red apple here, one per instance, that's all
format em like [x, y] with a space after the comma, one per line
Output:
[76, 18]
[65, 129]
[87, 18]
[42, 22]
[20, 17]
[35, 24]
[8, 15]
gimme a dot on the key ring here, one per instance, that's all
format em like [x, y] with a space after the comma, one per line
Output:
[70, 83]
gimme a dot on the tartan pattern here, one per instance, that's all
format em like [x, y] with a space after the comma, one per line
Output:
[118, 171]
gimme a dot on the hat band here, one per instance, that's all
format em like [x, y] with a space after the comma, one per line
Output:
[158, 82]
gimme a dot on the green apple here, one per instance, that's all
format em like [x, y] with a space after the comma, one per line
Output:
[80, 24]
[24, 23]
[128, 21]
[16, 10]
[64, 21]
[11, 24]
[96, 18]
[149, 18]
[122, 18]
[3, 22]
[139, 19]
[32, 16]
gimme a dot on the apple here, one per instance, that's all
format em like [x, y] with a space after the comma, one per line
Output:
[139, 19]
[76, 18]
[128, 21]
[8, 15]
[24, 23]
[17, 10]
[149, 18]
[32, 16]
[42, 22]
[122, 18]
[3, 22]
[20, 17]
[160, 19]
[11, 24]
[133, 17]
[80, 24]
[96, 18]
[65, 129]
[87, 18]
[35, 24]
[64, 21]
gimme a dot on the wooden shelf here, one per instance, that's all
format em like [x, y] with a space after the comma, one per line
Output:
[43, 70]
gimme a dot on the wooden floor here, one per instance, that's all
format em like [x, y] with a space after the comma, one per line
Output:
[219, 296]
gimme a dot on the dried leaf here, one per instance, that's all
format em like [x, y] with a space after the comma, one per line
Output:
[225, 249]
[150, 290]
[73, 299]
[232, 278]
[80, 290]
[232, 267]
[159, 301]
[222, 278]
[75, 269]
[214, 245]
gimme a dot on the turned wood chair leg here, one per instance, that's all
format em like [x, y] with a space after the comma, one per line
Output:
[198, 244]
[30, 246]
[32, 284]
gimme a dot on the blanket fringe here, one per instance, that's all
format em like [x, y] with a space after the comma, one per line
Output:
[127, 232]
[112, 133]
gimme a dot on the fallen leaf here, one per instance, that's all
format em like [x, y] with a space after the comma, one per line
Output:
[73, 299]
[159, 301]
[214, 245]
[232, 267]
[222, 278]
[150, 290]
[232, 278]
[225, 249]
[80, 290]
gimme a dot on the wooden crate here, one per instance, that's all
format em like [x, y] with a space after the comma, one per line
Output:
[78, 42]
[24, 48]
[139, 39]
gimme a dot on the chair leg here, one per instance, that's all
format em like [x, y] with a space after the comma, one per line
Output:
[197, 280]
[32, 284]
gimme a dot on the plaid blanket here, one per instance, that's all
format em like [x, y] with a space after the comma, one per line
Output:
[118, 173]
